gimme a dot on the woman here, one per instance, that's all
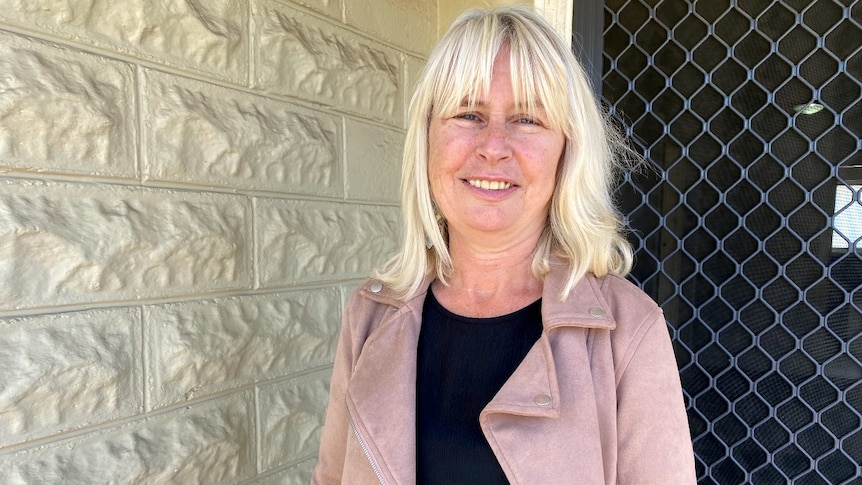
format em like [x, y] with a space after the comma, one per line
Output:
[502, 345]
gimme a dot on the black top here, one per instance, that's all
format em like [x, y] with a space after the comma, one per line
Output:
[462, 363]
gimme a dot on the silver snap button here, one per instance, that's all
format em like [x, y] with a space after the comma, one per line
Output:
[542, 399]
[597, 312]
[376, 287]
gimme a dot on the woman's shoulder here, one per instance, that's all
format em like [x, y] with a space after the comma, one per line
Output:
[631, 308]
[639, 323]
[373, 300]
[370, 296]
[375, 292]
[621, 292]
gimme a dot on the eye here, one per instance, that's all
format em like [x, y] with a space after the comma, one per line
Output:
[526, 120]
[467, 116]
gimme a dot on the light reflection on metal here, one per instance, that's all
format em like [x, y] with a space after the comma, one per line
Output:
[808, 109]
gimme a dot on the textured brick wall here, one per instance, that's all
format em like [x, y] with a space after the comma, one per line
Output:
[189, 190]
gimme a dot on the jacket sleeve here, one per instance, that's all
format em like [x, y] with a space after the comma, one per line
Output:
[654, 441]
[330, 464]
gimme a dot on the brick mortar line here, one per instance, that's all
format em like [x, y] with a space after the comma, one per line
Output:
[281, 468]
[258, 432]
[95, 180]
[138, 110]
[117, 304]
[255, 242]
[144, 359]
[252, 44]
[345, 172]
[292, 376]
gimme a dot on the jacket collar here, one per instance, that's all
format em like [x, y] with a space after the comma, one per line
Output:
[585, 306]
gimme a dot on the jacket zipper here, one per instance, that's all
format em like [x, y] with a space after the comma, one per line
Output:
[365, 450]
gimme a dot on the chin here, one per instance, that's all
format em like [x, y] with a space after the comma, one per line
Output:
[490, 227]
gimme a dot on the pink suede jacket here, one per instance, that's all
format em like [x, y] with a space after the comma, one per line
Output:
[596, 400]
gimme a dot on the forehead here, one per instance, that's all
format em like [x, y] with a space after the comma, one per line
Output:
[499, 85]
[484, 84]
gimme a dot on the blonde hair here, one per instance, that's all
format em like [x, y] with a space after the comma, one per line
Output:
[584, 228]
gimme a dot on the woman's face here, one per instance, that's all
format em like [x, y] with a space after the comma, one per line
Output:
[492, 168]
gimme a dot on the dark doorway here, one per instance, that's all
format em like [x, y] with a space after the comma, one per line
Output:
[748, 223]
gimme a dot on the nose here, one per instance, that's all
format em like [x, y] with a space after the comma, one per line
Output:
[494, 144]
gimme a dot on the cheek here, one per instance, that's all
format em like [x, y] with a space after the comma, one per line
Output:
[437, 144]
[549, 167]
[446, 156]
[446, 150]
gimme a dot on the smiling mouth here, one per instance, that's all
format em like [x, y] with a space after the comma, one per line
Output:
[489, 184]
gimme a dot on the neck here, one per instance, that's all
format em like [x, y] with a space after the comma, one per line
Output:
[489, 281]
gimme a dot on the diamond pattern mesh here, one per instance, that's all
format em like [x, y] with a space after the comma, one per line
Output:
[748, 226]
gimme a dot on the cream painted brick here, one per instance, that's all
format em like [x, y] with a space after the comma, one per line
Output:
[69, 370]
[300, 55]
[331, 8]
[209, 36]
[208, 443]
[73, 243]
[291, 417]
[201, 347]
[298, 474]
[373, 157]
[64, 111]
[303, 241]
[408, 24]
[206, 134]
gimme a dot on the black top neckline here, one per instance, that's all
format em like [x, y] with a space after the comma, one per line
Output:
[509, 317]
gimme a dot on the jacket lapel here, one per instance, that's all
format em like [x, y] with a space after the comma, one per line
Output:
[532, 390]
[381, 394]
[535, 379]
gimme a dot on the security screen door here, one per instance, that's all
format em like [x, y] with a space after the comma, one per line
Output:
[748, 224]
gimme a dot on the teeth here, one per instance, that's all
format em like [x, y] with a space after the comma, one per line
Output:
[490, 184]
